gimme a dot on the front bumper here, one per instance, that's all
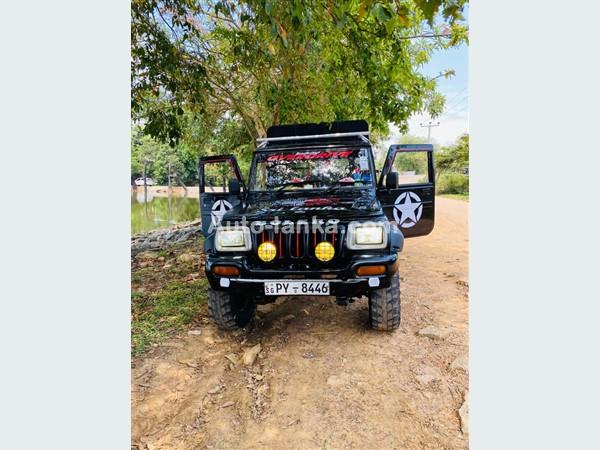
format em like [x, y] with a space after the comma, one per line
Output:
[343, 282]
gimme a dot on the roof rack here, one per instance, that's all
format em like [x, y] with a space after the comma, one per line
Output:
[313, 136]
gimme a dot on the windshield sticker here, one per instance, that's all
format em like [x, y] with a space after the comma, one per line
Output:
[321, 201]
[319, 208]
[310, 155]
[407, 209]
[310, 208]
[363, 162]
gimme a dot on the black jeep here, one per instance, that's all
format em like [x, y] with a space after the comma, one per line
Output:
[312, 220]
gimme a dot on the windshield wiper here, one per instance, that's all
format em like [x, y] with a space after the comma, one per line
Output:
[337, 186]
[281, 187]
[333, 188]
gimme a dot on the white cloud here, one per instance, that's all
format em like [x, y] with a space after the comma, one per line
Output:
[449, 129]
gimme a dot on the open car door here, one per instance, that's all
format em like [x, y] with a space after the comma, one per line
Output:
[221, 187]
[406, 188]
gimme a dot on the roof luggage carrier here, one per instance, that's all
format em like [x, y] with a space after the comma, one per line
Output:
[333, 130]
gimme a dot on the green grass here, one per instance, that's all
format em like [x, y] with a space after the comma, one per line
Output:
[464, 197]
[137, 277]
[170, 309]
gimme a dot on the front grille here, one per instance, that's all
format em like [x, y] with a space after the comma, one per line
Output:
[299, 246]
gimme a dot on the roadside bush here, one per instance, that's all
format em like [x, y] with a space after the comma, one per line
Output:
[453, 183]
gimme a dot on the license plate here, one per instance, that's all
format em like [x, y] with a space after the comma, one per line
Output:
[296, 287]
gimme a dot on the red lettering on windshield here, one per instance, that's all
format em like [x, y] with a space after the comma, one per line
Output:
[310, 155]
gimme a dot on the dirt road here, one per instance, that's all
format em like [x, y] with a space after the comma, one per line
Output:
[322, 378]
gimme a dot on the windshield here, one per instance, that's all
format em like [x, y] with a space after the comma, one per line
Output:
[311, 169]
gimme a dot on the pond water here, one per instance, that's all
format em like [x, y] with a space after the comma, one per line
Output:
[151, 212]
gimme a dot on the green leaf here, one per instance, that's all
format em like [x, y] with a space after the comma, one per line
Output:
[429, 8]
[402, 14]
[381, 12]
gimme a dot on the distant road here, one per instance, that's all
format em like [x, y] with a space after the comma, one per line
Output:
[163, 191]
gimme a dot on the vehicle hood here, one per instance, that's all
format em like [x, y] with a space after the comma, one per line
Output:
[339, 205]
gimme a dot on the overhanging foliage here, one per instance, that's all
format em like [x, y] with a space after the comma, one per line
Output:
[206, 68]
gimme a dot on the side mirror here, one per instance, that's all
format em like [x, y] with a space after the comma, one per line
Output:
[234, 186]
[392, 180]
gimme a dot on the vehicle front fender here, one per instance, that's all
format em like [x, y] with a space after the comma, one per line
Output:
[396, 238]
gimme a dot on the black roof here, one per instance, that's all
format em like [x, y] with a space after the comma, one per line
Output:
[308, 129]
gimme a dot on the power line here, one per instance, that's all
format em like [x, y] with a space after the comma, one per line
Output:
[460, 106]
[454, 109]
[457, 99]
[459, 93]
[456, 103]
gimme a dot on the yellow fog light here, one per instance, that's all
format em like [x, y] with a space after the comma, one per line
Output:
[324, 251]
[267, 251]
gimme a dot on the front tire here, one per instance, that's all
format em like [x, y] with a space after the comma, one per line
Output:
[384, 306]
[230, 312]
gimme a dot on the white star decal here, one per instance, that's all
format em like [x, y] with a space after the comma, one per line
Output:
[219, 208]
[410, 211]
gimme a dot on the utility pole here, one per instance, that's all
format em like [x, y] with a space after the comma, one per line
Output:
[146, 162]
[169, 174]
[145, 167]
[429, 126]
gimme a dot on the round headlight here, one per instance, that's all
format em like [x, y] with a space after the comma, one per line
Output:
[267, 251]
[324, 251]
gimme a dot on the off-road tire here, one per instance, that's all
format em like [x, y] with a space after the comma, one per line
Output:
[384, 306]
[230, 312]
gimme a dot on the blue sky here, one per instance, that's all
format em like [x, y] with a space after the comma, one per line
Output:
[455, 119]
